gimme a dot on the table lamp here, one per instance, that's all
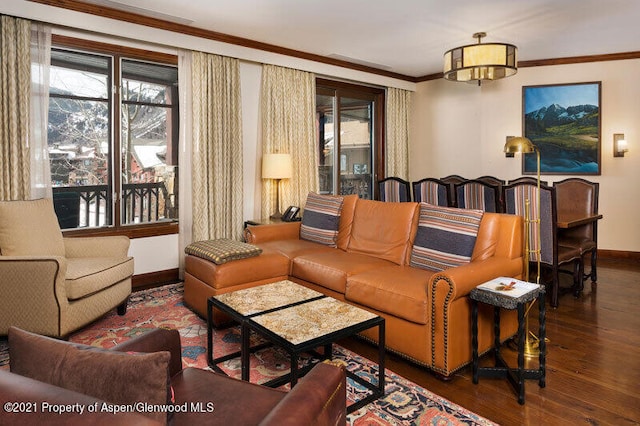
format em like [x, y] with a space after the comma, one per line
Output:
[278, 167]
[524, 145]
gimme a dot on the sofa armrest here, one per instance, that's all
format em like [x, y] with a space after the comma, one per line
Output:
[28, 285]
[111, 246]
[458, 282]
[272, 232]
[156, 340]
[319, 398]
[34, 402]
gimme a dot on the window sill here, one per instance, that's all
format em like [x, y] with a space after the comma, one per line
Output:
[133, 231]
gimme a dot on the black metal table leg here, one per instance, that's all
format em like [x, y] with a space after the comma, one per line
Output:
[245, 349]
[474, 339]
[209, 333]
[381, 359]
[542, 333]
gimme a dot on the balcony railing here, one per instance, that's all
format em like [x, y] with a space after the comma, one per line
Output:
[90, 205]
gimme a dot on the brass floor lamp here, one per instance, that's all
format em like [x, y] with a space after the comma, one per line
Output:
[524, 145]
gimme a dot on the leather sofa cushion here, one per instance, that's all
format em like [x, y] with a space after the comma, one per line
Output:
[88, 275]
[383, 230]
[330, 269]
[30, 228]
[294, 248]
[400, 291]
[346, 220]
[194, 385]
[269, 264]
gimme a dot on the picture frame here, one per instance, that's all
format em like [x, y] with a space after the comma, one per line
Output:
[564, 122]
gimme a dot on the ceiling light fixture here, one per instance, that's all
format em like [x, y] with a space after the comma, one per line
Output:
[478, 62]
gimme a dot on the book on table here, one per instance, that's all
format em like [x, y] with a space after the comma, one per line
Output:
[509, 286]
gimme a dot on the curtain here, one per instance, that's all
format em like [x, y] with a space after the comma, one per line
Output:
[39, 153]
[15, 82]
[397, 149]
[216, 147]
[185, 196]
[288, 126]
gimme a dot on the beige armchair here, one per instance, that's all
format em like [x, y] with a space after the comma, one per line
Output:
[53, 285]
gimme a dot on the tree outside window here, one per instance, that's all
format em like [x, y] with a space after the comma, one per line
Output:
[106, 172]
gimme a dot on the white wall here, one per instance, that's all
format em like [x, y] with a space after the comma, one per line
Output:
[461, 128]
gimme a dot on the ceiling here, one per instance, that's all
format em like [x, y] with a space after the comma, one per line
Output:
[409, 37]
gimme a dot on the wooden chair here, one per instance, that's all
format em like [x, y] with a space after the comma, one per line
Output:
[579, 198]
[552, 255]
[492, 180]
[451, 181]
[394, 189]
[474, 194]
[432, 191]
[527, 179]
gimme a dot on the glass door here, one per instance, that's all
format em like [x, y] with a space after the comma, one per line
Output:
[350, 139]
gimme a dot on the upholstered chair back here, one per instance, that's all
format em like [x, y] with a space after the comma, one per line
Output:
[432, 191]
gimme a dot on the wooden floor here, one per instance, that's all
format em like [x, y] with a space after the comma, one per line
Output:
[593, 362]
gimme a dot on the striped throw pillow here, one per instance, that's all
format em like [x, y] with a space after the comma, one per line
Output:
[446, 237]
[321, 219]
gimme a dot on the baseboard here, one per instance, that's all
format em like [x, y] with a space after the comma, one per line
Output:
[619, 255]
[155, 279]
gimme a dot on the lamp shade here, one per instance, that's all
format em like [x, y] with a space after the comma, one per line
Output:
[478, 62]
[519, 145]
[277, 166]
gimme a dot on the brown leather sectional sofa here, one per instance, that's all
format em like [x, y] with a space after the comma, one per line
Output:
[428, 314]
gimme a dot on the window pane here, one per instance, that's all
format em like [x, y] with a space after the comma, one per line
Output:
[149, 186]
[78, 141]
[137, 91]
[355, 145]
[78, 83]
[148, 83]
[324, 116]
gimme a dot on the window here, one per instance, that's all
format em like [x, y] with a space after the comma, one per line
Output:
[107, 172]
[350, 142]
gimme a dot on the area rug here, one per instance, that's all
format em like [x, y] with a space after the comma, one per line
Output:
[404, 403]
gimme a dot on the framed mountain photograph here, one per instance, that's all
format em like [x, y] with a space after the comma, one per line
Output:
[563, 121]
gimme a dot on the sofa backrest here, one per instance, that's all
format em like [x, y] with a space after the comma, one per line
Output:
[383, 229]
[499, 235]
[346, 221]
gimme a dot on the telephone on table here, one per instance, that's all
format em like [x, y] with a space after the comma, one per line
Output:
[291, 214]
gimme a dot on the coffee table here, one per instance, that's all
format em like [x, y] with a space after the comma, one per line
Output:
[299, 320]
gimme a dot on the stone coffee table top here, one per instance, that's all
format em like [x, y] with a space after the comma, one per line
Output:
[251, 301]
[301, 323]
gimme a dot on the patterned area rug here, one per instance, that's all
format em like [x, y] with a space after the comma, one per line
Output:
[404, 403]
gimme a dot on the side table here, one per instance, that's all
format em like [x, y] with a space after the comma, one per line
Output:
[498, 299]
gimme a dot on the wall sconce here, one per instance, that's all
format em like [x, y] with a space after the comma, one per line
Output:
[619, 145]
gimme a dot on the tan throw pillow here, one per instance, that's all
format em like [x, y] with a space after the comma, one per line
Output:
[114, 377]
[30, 228]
